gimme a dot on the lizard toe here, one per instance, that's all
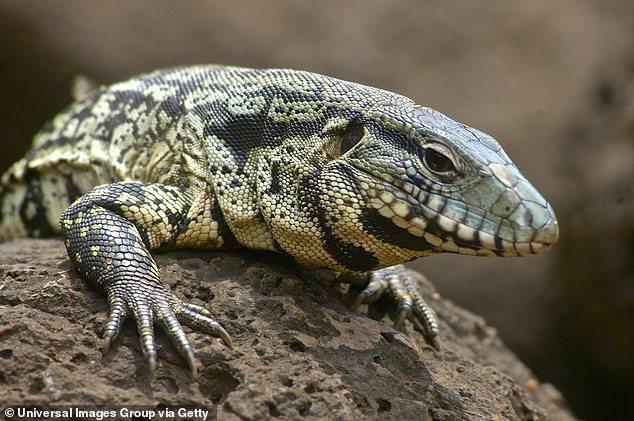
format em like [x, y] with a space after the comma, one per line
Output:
[144, 317]
[200, 318]
[168, 320]
[117, 314]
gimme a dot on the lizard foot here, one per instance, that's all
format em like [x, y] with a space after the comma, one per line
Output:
[156, 304]
[398, 285]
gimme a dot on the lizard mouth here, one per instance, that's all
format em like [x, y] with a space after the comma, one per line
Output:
[450, 225]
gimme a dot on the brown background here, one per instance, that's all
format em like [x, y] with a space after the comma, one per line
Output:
[552, 81]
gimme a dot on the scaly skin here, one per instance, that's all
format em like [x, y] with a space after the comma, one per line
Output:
[335, 174]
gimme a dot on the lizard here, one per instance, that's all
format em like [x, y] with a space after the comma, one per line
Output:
[334, 174]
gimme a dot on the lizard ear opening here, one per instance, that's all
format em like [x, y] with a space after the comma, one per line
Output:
[353, 133]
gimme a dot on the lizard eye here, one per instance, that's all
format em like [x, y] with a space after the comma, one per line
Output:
[352, 134]
[437, 161]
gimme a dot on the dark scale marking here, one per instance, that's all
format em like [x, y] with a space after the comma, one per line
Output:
[301, 99]
[229, 240]
[172, 107]
[130, 99]
[275, 178]
[72, 190]
[352, 257]
[241, 134]
[475, 244]
[385, 230]
[498, 243]
[32, 210]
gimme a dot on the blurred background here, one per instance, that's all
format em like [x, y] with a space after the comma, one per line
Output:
[553, 81]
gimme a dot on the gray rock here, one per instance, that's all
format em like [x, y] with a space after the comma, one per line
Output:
[299, 352]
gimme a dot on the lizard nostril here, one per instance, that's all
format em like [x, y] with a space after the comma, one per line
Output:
[508, 202]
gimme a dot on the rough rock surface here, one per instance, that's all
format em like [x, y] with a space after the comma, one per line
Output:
[299, 352]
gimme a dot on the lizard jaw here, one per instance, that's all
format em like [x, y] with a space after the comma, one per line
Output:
[449, 225]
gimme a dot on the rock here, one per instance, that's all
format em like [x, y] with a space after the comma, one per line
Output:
[299, 353]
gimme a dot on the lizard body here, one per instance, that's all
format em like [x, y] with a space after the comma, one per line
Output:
[334, 174]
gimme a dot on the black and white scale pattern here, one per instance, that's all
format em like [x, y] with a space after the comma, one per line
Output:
[332, 173]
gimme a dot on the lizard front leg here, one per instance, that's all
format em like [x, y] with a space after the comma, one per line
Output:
[397, 284]
[108, 233]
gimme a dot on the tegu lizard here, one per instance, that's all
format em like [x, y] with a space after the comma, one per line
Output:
[334, 174]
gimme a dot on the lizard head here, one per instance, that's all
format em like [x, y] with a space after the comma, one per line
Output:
[432, 185]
